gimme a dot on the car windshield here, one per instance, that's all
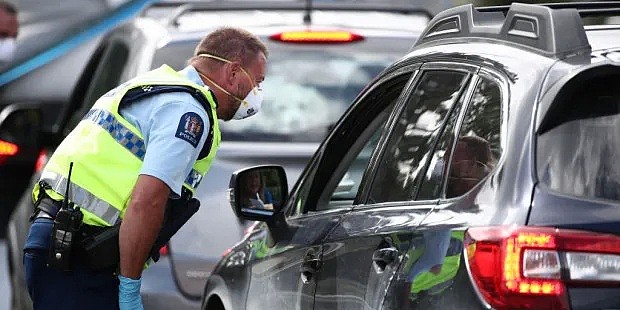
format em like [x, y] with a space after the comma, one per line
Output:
[307, 88]
[577, 149]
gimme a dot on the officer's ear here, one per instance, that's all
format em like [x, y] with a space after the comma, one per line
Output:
[234, 72]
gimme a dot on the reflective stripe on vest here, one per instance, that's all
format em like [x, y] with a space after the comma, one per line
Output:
[83, 198]
[129, 140]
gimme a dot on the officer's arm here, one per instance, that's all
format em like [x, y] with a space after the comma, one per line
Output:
[141, 224]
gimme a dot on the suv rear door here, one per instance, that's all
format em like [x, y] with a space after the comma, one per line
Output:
[469, 153]
[363, 253]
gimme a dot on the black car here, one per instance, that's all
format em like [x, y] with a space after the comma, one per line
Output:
[320, 58]
[479, 171]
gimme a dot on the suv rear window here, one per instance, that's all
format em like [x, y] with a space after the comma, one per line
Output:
[308, 87]
[578, 149]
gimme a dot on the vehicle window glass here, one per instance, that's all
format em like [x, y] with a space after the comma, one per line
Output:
[478, 147]
[341, 170]
[106, 77]
[411, 142]
[433, 180]
[577, 151]
[348, 185]
[307, 88]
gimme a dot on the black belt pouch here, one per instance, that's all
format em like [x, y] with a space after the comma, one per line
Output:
[101, 248]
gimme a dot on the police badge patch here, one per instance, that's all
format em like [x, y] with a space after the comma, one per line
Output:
[190, 128]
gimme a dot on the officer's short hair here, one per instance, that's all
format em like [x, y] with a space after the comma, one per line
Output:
[8, 7]
[233, 44]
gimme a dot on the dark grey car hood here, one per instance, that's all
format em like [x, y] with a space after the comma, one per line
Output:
[198, 246]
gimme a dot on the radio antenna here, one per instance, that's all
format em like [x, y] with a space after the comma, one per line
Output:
[65, 202]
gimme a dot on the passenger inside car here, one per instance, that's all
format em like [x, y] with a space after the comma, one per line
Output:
[472, 161]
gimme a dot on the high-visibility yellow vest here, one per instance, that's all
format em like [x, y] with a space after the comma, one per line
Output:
[107, 151]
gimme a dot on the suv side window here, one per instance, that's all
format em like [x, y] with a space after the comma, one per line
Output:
[433, 180]
[106, 76]
[478, 147]
[412, 140]
[335, 178]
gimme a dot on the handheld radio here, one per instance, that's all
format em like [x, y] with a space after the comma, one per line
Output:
[66, 226]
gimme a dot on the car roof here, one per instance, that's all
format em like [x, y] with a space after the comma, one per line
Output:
[172, 10]
[390, 18]
[367, 22]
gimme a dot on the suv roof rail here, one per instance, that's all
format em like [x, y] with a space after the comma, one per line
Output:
[184, 7]
[551, 32]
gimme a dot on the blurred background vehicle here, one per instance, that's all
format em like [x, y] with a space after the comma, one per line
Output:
[53, 46]
[55, 40]
[321, 56]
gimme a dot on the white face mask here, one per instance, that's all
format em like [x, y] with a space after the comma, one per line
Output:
[252, 102]
[7, 49]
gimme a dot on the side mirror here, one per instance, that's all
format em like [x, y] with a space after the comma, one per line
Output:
[259, 192]
[20, 128]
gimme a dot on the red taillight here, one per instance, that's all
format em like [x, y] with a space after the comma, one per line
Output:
[530, 267]
[41, 161]
[316, 37]
[8, 148]
[163, 251]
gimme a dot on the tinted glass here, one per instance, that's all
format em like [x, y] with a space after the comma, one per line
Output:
[579, 154]
[411, 142]
[437, 169]
[348, 185]
[307, 88]
[478, 147]
[346, 156]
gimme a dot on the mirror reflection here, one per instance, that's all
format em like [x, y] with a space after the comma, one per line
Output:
[259, 189]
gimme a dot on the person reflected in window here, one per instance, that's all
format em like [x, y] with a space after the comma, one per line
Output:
[471, 162]
[253, 193]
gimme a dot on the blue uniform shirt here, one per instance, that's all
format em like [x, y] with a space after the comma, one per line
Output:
[165, 120]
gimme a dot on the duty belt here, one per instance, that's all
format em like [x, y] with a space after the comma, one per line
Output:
[82, 198]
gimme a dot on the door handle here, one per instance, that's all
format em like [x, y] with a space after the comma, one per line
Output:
[309, 267]
[383, 257]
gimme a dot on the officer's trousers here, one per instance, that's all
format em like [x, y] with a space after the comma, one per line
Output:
[53, 289]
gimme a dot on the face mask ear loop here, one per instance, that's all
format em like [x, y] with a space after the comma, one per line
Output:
[214, 57]
[219, 87]
[228, 61]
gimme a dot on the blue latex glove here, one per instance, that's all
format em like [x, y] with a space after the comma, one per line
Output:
[129, 294]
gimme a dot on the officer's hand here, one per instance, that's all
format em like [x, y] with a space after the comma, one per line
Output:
[129, 294]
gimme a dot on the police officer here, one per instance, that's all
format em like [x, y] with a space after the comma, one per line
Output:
[144, 145]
